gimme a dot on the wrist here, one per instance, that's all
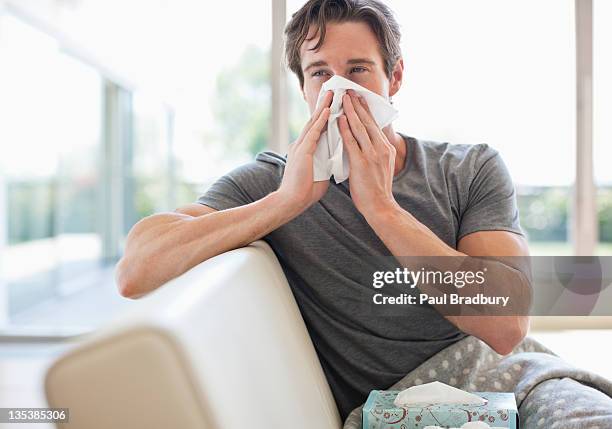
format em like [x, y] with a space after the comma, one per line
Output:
[382, 212]
[289, 207]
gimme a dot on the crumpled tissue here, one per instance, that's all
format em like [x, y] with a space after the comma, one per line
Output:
[330, 157]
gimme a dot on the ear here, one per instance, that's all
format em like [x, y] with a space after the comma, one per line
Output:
[395, 83]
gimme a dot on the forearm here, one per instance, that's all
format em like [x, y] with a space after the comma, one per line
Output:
[165, 245]
[412, 243]
[404, 235]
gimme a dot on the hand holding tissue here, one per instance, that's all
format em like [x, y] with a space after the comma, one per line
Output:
[330, 158]
[436, 405]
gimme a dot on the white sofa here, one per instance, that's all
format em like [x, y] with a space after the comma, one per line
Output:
[222, 346]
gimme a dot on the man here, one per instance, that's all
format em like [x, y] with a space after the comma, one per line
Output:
[404, 197]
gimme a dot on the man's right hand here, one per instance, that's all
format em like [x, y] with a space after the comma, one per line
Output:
[298, 186]
[165, 245]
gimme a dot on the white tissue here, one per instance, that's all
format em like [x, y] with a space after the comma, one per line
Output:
[469, 425]
[330, 157]
[436, 393]
[478, 425]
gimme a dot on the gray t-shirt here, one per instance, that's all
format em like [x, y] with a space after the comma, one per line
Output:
[329, 252]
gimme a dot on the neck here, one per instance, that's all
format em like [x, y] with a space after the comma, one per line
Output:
[400, 148]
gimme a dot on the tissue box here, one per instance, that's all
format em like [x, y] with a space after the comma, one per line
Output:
[379, 412]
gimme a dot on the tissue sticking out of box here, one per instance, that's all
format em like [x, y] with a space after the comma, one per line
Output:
[477, 425]
[436, 393]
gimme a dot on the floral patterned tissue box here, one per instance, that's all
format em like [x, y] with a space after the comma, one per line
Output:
[379, 412]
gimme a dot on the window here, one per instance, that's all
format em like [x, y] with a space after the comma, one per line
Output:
[51, 110]
[101, 137]
[602, 132]
[223, 117]
[471, 76]
[150, 159]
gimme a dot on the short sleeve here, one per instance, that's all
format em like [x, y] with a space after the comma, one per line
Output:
[491, 202]
[245, 184]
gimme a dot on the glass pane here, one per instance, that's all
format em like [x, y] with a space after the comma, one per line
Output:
[206, 110]
[222, 115]
[602, 132]
[150, 157]
[50, 107]
[78, 175]
[482, 81]
[214, 76]
[28, 257]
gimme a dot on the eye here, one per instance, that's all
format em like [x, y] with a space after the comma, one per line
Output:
[358, 69]
[318, 73]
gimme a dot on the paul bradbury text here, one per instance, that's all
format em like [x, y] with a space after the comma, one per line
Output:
[453, 299]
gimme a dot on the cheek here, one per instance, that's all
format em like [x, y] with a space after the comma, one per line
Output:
[377, 86]
[311, 92]
[376, 81]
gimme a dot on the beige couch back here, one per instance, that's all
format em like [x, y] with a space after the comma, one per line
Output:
[222, 346]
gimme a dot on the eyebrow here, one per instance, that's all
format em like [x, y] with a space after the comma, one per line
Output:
[351, 61]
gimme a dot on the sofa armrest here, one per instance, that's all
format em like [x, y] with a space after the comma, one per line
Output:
[222, 346]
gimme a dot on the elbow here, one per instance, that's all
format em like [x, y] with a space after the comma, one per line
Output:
[511, 336]
[126, 279]
[136, 279]
[504, 347]
[135, 275]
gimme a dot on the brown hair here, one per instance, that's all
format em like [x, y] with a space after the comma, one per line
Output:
[320, 12]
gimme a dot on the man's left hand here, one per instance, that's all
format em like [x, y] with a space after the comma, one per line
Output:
[371, 157]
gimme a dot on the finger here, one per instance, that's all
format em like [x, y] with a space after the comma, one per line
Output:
[363, 112]
[350, 144]
[327, 99]
[303, 132]
[314, 133]
[357, 127]
[329, 95]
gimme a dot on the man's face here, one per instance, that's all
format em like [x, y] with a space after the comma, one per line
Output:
[350, 50]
